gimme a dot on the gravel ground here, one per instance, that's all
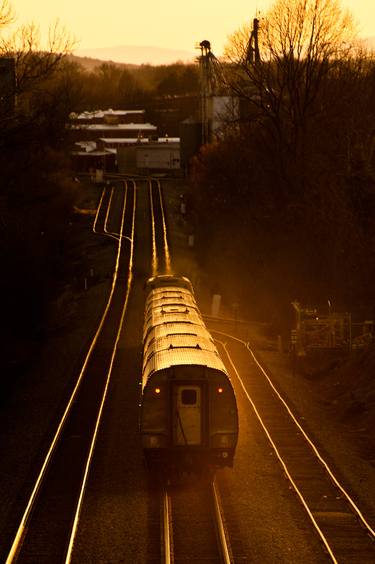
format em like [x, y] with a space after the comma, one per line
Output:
[347, 449]
[36, 397]
[119, 516]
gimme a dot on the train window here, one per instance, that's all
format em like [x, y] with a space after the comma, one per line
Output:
[181, 334]
[189, 397]
[152, 353]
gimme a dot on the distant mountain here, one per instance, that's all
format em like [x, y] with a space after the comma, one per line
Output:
[137, 55]
[90, 64]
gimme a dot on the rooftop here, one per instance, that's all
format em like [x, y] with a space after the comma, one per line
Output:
[101, 113]
[134, 140]
[114, 127]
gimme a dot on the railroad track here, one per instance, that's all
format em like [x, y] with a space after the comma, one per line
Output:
[107, 221]
[161, 260]
[193, 528]
[47, 530]
[345, 532]
[191, 524]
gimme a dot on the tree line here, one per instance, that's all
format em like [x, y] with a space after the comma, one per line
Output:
[36, 194]
[285, 203]
[118, 85]
[167, 93]
[37, 189]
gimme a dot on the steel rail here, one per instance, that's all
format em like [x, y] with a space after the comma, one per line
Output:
[167, 256]
[222, 536]
[310, 442]
[107, 214]
[306, 437]
[217, 515]
[17, 542]
[108, 379]
[98, 209]
[109, 233]
[154, 263]
[106, 230]
[167, 529]
[280, 459]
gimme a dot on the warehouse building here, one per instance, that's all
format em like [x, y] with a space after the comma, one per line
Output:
[161, 155]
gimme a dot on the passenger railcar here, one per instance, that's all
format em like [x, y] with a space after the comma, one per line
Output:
[189, 415]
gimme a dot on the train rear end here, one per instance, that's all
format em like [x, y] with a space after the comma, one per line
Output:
[188, 411]
[189, 420]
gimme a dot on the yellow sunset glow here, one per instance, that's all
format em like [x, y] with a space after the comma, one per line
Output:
[171, 24]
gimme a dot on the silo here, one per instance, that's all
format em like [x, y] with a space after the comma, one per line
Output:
[190, 140]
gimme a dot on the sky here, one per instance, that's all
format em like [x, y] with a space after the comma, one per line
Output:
[173, 24]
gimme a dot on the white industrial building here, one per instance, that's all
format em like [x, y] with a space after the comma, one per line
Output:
[107, 140]
[108, 116]
[160, 155]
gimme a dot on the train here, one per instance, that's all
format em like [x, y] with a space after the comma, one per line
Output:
[189, 416]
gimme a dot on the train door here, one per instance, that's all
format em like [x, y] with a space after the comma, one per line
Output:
[187, 424]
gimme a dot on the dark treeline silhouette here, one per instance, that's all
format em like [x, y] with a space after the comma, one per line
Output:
[168, 93]
[286, 206]
[37, 190]
[36, 194]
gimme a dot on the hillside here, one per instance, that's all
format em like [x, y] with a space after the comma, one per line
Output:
[137, 55]
[90, 63]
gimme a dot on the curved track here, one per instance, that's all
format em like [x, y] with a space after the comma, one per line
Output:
[47, 529]
[345, 532]
[161, 260]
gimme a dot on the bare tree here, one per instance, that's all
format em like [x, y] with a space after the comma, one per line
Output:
[6, 14]
[33, 61]
[35, 66]
[301, 178]
[300, 42]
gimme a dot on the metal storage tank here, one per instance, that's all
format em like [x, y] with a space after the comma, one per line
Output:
[190, 140]
[127, 159]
